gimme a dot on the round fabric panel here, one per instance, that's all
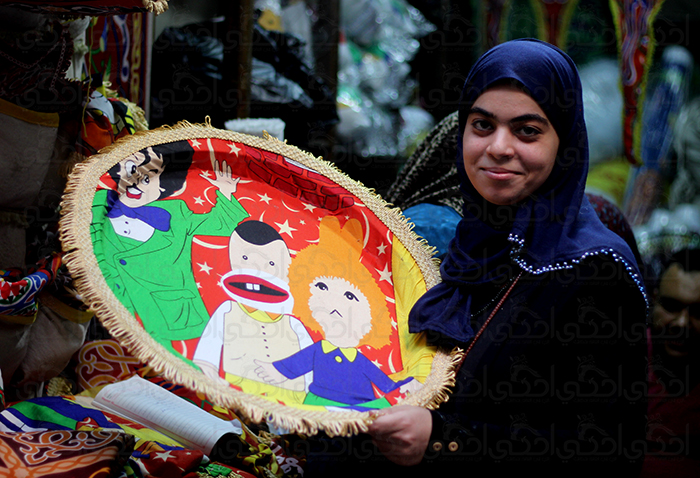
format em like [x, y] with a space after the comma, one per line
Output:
[255, 273]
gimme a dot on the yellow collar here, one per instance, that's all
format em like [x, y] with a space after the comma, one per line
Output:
[260, 315]
[349, 352]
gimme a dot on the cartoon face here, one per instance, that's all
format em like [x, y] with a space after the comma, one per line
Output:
[676, 313]
[341, 309]
[509, 146]
[272, 258]
[139, 179]
[259, 274]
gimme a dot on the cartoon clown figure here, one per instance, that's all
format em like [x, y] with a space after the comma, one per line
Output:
[255, 324]
[348, 317]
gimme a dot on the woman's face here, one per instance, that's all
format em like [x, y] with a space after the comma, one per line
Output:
[509, 146]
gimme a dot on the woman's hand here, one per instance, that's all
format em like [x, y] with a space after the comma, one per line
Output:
[402, 433]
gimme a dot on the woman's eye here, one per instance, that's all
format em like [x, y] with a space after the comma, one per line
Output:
[528, 131]
[321, 285]
[481, 125]
[350, 296]
[146, 180]
[272, 263]
[245, 258]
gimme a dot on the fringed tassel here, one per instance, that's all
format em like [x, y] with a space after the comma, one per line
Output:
[156, 6]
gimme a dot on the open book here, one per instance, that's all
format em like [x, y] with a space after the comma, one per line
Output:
[156, 408]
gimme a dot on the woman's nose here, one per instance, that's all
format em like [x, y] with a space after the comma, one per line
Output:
[682, 319]
[501, 145]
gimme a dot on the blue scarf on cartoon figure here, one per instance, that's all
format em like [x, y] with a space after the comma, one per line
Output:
[153, 216]
[553, 228]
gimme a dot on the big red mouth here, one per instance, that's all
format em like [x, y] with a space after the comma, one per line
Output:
[255, 288]
[133, 195]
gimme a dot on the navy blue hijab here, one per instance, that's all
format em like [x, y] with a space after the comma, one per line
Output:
[554, 228]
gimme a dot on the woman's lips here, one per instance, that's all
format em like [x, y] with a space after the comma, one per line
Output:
[499, 174]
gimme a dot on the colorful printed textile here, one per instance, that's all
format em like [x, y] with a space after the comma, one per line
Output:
[635, 39]
[229, 253]
[105, 121]
[18, 294]
[119, 52]
[154, 454]
[63, 453]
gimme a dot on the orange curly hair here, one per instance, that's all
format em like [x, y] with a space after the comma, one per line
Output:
[337, 254]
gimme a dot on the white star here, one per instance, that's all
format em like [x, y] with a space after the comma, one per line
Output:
[204, 268]
[347, 218]
[376, 362]
[234, 148]
[164, 456]
[265, 198]
[302, 222]
[206, 173]
[199, 201]
[285, 228]
[309, 207]
[199, 286]
[381, 249]
[394, 324]
[385, 274]
[196, 143]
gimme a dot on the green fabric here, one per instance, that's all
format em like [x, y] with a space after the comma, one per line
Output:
[313, 399]
[154, 279]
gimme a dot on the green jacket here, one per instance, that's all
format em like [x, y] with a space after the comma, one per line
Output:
[154, 279]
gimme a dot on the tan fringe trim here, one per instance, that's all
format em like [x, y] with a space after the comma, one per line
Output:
[74, 230]
[58, 386]
[156, 6]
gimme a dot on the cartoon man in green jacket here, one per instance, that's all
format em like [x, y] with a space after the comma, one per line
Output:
[143, 244]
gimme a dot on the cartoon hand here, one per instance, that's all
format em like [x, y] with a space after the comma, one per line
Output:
[224, 180]
[210, 370]
[410, 387]
[268, 373]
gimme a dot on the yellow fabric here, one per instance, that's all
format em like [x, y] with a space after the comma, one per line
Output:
[34, 117]
[610, 179]
[349, 352]
[260, 315]
[270, 392]
[407, 291]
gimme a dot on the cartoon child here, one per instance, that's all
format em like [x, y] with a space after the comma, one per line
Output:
[347, 316]
[144, 244]
[256, 323]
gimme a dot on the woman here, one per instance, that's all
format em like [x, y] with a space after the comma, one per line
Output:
[555, 380]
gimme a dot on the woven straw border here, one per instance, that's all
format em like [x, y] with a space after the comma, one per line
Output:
[74, 230]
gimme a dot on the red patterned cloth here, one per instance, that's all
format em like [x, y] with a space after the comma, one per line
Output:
[63, 453]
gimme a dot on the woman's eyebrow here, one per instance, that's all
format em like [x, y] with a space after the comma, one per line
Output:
[518, 119]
